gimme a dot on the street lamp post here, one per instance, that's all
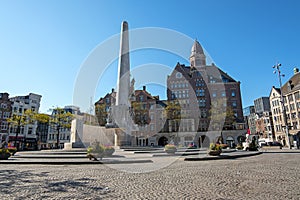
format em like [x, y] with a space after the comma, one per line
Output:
[277, 69]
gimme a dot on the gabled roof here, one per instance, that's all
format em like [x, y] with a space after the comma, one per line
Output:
[210, 70]
[276, 90]
[148, 95]
[292, 84]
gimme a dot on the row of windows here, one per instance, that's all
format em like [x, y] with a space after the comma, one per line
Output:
[180, 94]
[201, 102]
[14, 129]
[275, 103]
[199, 83]
[62, 129]
[4, 126]
[179, 85]
[22, 110]
[200, 92]
[276, 111]
[3, 105]
[5, 115]
[61, 136]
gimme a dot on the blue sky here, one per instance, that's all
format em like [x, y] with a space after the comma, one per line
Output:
[44, 43]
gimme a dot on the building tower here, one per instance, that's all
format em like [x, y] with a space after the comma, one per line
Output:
[197, 58]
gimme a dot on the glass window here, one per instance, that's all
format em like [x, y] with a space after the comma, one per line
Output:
[233, 93]
[4, 125]
[234, 104]
[178, 75]
[6, 115]
[141, 97]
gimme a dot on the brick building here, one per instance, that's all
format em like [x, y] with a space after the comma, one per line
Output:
[147, 112]
[210, 100]
[5, 113]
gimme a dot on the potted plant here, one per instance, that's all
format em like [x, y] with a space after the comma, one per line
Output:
[192, 146]
[239, 147]
[214, 149]
[170, 148]
[4, 154]
[95, 151]
[252, 147]
[12, 150]
[108, 150]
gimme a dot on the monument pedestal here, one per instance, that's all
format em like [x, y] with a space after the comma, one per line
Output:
[122, 138]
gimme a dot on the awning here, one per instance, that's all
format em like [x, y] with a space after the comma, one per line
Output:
[13, 138]
[30, 140]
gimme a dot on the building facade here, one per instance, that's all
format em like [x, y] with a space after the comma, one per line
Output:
[147, 113]
[263, 120]
[63, 126]
[27, 138]
[249, 116]
[291, 98]
[209, 98]
[5, 113]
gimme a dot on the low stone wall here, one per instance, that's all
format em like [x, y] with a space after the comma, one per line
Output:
[101, 134]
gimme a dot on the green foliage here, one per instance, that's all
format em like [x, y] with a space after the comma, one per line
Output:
[173, 110]
[170, 146]
[221, 115]
[4, 151]
[18, 120]
[98, 150]
[60, 119]
[216, 147]
[12, 150]
[253, 146]
[101, 114]
[141, 113]
[173, 113]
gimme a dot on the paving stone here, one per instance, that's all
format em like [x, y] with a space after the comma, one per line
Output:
[266, 176]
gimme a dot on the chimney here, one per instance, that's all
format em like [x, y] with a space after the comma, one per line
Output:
[112, 90]
[144, 88]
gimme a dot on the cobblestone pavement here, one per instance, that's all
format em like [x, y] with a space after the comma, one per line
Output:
[266, 176]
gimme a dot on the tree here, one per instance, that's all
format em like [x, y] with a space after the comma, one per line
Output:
[221, 116]
[43, 120]
[19, 120]
[101, 114]
[60, 119]
[140, 113]
[173, 114]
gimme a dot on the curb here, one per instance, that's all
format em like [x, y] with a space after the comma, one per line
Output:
[221, 157]
[11, 162]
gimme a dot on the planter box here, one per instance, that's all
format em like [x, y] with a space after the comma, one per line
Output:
[214, 152]
[108, 152]
[4, 156]
[170, 151]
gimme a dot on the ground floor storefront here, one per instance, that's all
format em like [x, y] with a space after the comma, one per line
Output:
[186, 139]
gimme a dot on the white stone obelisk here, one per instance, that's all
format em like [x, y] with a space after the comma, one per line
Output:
[120, 111]
[123, 83]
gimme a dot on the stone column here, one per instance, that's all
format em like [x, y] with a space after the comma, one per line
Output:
[123, 68]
